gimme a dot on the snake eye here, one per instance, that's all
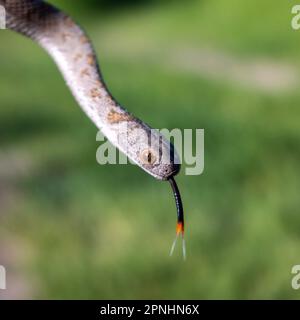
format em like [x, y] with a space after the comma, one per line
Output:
[148, 157]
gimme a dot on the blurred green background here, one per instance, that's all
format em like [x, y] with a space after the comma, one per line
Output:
[70, 228]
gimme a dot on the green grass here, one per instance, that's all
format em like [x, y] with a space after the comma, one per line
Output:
[89, 231]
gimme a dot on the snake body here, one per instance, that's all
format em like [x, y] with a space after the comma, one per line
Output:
[74, 55]
[72, 51]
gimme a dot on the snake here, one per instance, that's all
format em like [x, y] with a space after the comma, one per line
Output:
[72, 51]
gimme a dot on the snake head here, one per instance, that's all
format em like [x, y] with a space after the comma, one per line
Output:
[156, 155]
[144, 146]
[160, 160]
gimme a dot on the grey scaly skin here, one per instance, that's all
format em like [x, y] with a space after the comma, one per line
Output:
[73, 53]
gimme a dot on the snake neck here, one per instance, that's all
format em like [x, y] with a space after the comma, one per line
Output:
[68, 45]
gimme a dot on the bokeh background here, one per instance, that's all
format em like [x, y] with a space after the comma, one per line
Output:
[70, 228]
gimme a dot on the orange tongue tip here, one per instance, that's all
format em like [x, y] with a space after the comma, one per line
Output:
[179, 228]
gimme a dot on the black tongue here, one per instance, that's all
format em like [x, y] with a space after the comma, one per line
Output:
[180, 217]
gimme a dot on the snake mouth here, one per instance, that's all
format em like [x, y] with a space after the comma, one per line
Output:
[174, 172]
[164, 174]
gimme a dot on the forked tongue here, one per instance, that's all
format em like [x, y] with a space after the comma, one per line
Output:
[180, 218]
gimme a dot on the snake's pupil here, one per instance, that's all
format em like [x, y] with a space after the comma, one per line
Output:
[148, 157]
